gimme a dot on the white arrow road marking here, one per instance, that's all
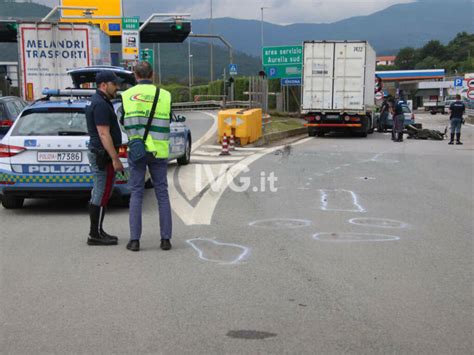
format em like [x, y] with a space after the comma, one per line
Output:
[203, 211]
[209, 134]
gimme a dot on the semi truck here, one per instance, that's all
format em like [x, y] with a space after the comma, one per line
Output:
[338, 87]
[49, 50]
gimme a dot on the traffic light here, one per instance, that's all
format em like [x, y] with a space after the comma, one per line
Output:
[177, 26]
[8, 31]
[165, 32]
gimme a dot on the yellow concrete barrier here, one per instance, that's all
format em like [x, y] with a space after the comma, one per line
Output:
[244, 124]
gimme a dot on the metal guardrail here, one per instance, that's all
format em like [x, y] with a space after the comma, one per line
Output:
[212, 105]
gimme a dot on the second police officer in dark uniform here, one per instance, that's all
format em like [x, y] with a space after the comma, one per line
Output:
[105, 140]
[457, 109]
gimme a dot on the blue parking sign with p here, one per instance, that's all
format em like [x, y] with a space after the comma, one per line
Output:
[458, 82]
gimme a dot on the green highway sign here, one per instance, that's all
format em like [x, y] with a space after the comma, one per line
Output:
[131, 23]
[146, 55]
[282, 61]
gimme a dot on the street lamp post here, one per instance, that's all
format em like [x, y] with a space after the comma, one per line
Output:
[189, 69]
[261, 29]
[211, 47]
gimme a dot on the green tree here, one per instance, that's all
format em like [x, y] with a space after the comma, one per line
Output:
[406, 58]
[429, 63]
[433, 49]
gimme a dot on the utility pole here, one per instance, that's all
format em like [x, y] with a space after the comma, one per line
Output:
[211, 46]
[261, 31]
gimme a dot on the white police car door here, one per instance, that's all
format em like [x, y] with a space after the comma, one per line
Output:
[177, 138]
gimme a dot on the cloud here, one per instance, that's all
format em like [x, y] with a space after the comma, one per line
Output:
[277, 11]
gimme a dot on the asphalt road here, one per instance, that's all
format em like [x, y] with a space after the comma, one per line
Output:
[365, 247]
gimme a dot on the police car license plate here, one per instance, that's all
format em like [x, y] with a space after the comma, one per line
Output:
[60, 156]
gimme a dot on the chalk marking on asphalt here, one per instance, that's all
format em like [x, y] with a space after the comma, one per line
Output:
[354, 237]
[325, 203]
[278, 223]
[201, 253]
[378, 223]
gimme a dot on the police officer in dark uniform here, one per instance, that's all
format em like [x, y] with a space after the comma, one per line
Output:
[457, 109]
[398, 121]
[105, 140]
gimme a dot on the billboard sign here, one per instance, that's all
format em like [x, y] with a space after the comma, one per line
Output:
[108, 14]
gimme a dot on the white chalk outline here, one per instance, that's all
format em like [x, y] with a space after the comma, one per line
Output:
[201, 253]
[400, 226]
[390, 238]
[355, 201]
[306, 223]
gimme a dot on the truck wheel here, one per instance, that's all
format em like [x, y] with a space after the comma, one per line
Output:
[311, 132]
[320, 134]
[12, 202]
[363, 134]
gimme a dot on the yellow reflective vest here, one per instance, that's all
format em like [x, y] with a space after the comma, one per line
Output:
[137, 103]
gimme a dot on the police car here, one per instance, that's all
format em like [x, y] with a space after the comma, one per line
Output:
[44, 154]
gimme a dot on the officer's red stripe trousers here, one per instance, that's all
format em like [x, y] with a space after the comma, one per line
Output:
[109, 182]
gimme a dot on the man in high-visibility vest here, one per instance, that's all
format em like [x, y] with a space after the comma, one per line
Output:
[137, 105]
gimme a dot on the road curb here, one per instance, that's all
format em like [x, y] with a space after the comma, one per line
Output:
[276, 136]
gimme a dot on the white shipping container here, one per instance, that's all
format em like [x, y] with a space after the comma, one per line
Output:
[338, 76]
[48, 51]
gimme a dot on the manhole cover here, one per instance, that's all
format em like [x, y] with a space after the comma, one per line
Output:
[249, 334]
[278, 223]
[378, 222]
[354, 237]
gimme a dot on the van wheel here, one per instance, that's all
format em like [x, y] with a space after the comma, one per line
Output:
[320, 134]
[12, 202]
[311, 132]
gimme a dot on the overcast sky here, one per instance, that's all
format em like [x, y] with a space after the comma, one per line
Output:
[278, 11]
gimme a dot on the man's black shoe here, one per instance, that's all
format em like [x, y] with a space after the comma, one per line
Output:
[133, 245]
[451, 142]
[107, 235]
[165, 244]
[459, 143]
[100, 240]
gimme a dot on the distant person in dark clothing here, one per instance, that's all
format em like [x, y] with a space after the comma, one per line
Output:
[456, 109]
[398, 121]
[384, 111]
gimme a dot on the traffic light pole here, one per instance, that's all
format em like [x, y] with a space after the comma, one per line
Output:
[155, 15]
[222, 39]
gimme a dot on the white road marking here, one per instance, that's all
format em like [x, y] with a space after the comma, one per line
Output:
[202, 213]
[223, 159]
[218, 147]
[209, 134]
[216, 154]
